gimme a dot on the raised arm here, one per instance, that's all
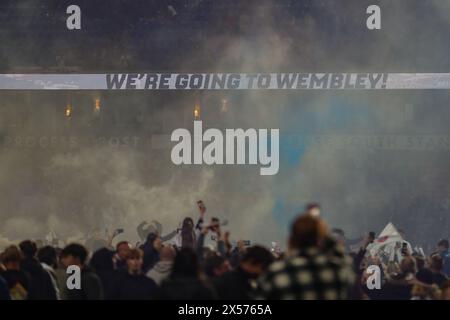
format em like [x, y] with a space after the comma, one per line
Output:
[141, 231]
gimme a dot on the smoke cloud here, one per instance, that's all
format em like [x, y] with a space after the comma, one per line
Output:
[114, 170]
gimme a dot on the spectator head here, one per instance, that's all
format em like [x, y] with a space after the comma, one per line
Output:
[408, 266]
[29, 248]
[307, 231]
[74, 254]
[256, 260]
[135, 259]
[216, 266]
[436, 263]
[47, 255]
[185, 264]
[188, 223]
[187, 233]
[339, 236]
[445, 290]
[122, 249]
[102, 260]
[167, 253]
[443, 245]
[313, 209]
[215, 224]
[11, 258]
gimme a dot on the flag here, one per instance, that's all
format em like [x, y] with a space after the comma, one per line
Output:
[388, 244]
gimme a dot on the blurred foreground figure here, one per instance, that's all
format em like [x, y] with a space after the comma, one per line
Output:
[42, 286]
[102, 264]
[240, 284]
[91, 288]
[16, 279]
[315, 269]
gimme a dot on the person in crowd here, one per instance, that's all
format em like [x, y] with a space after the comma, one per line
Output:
[102, 264]
[214, 238]
[41, 286]
[61, 275]
[399, 285]
[360, 263]
[185, 281]
[436, 265]
[445, 290]
[151, 248]
[218, 245]
[48, 258]
[314, 269]
[241, 283]
[237, 253]
[313, 209]
[120, 257]
[187, 236]
[91, 287]
[444, 251]
[16, 279]
[132, 283]
[424, 288]
[216, 265]
[162, 269]
[144, 229]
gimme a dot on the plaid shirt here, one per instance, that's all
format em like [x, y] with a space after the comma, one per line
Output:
[309, 275]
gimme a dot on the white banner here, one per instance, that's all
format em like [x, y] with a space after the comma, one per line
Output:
[225, 81]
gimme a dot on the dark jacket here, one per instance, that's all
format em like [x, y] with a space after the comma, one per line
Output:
[41, 286]
[107, 278]
[397, 288]
[185, 289]
[91, 287]
[234, 285]
[133, 287]
[151, 255]
[439, 278]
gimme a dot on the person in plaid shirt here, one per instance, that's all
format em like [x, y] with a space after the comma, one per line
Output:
[316, 267]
